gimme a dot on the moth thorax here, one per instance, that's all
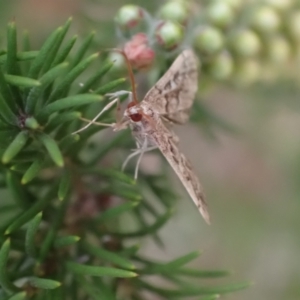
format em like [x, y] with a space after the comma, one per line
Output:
[133, 112]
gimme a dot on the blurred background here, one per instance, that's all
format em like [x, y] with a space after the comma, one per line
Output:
[251, 176]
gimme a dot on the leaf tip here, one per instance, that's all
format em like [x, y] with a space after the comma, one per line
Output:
[70, 19]
[7, 231]
[60, 164]
[39, 215]
[6, 243]
[5, 159]
[65, 64]
[77, 238]
[12, 24]
[136, 203]
[133, 274]
[95, 55]
[61, 197]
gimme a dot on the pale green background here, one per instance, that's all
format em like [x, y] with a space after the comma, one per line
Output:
[251, 179]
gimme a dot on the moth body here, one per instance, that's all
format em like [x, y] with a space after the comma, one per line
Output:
[141, 123]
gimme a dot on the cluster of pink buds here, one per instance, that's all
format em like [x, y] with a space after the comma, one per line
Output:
[145, 36]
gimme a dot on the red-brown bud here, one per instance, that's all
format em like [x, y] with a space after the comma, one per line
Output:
[138, 52]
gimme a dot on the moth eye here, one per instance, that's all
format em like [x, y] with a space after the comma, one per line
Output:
[136, 117]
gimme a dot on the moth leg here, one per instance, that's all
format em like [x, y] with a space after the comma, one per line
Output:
[135, 153]
[142, 151]
[129, 157]
[144, 148]
[93, 121]
[119, 94]
[137, 144]
[121, 123]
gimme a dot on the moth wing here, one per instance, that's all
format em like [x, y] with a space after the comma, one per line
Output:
[173, 95]
[180, 117]
[182, 167]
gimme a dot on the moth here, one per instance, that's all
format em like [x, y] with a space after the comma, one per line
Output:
[168, 102]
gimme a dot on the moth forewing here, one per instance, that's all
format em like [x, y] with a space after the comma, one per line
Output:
[173, 95]
[182, 167]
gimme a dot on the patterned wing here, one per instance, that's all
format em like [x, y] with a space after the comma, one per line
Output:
[173, 95]
[182, 167]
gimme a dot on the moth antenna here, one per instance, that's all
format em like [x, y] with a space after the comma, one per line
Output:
[130, 73]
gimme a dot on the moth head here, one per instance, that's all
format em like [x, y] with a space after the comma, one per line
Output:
[133, 111]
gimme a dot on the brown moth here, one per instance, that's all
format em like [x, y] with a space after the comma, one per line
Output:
[169, 100]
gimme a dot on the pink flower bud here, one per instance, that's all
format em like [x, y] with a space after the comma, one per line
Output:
[138, 52]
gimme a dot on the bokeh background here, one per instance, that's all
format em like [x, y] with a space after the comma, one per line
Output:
[251, 176]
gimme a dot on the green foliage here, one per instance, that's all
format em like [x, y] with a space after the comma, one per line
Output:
[6, 284]
[67, 235]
